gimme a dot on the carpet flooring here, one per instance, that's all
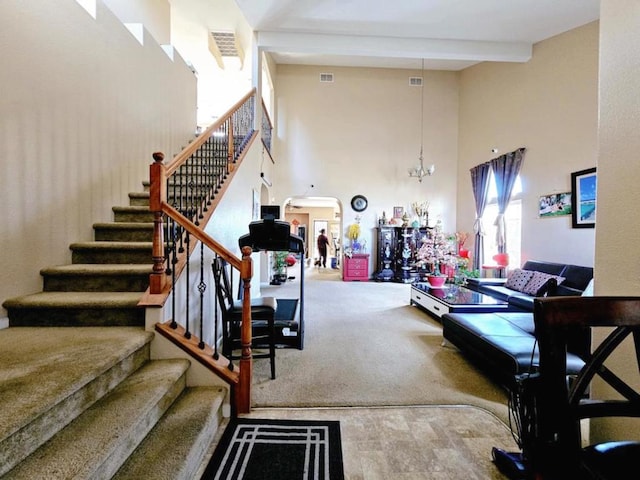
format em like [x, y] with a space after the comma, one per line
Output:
[267, 449]
[366, 346]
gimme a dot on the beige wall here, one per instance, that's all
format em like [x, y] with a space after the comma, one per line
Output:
[360, 135]
[155, 15]
[192, 22]
[83, 107]
[618, 224]
[548, 105]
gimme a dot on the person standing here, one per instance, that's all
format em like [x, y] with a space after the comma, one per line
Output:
[323, 245]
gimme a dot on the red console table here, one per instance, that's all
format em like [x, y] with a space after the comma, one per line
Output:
[356, 268]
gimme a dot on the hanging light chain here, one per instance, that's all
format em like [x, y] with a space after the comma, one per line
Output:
[419, 172]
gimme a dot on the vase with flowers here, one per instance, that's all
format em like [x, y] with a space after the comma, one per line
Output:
[461, 238]
[353, 234]
[421, 210]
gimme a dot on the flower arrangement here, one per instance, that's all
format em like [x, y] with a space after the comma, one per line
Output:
[353, 234]
[438, 251]
[422, 211]
[421, 208]
[461, 238]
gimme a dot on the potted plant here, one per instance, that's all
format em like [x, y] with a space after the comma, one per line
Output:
[437, 253]
[279, 265]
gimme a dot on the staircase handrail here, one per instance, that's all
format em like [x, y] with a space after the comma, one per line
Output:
[160, 285]
[267, 131]
[202, 138]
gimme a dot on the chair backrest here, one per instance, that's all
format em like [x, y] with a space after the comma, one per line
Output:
[560, 405]
[501, 259]
[223, 284]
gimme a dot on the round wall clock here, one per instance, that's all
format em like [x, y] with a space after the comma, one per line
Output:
[359, 203]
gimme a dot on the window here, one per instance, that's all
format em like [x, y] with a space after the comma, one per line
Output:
[513, 220]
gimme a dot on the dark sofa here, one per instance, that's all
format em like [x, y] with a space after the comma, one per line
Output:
[575, 280]
[503, 343]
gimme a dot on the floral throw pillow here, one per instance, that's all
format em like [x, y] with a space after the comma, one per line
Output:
[538, 279]
[518, 279]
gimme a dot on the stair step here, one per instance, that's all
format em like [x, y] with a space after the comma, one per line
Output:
[98, 442]
[50, 376]
[71, 309]
[123, 231]
[96, 277]
[139, 199]
[111, 252]
[177, 446]
[132, 214]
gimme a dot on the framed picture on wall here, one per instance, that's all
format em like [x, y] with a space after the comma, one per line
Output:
[583, 198]
[397, 212]
[555, 205]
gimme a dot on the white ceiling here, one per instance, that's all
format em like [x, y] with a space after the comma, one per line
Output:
[448, 34]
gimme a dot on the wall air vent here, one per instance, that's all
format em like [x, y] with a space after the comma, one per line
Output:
[326, 77]
[415, 81]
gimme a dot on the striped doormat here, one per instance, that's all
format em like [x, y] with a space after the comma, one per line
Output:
[254, 449]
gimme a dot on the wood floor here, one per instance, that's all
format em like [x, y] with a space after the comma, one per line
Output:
[412, 443]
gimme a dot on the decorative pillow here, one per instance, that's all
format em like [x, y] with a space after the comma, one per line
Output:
[518, 279]
[538, 279]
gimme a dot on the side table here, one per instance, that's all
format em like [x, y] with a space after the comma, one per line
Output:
[356, 268]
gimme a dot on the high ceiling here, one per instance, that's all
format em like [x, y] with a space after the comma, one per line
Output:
[447, 34]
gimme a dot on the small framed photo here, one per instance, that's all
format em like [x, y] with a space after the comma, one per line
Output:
[583, 198]
[555, 205]
[398, 212]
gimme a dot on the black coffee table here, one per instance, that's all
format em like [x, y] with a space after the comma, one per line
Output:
[453, 299]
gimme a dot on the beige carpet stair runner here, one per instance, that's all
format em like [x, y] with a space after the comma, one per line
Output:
[88, 403]
[104, 282]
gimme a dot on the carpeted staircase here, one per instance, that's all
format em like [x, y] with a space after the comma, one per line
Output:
[105, 281]
[88, 403]
[81, 397]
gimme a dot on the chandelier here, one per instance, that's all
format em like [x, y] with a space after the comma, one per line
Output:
[419, 172]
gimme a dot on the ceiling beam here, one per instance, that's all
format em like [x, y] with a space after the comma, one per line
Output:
[393, 47]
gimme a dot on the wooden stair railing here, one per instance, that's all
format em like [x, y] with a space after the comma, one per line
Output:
[183, 196]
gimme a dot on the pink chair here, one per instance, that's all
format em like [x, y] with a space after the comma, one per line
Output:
[499, 269]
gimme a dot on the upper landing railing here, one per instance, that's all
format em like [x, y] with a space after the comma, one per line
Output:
[183, 196]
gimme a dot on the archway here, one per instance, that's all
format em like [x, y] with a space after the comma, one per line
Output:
[308, 214]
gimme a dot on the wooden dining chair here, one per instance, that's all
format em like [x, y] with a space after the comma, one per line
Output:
[263, 311]
[557, 449]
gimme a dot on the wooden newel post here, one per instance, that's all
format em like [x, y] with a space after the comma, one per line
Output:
[157, 194]
[246, 361]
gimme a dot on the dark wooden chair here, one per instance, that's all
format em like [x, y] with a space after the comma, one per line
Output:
[555, 448]
[263, 310]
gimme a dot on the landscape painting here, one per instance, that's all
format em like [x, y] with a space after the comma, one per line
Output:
[583, 197]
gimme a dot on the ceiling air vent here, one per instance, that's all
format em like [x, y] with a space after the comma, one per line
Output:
[415, 81]
[225, 44]
[326, 77]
